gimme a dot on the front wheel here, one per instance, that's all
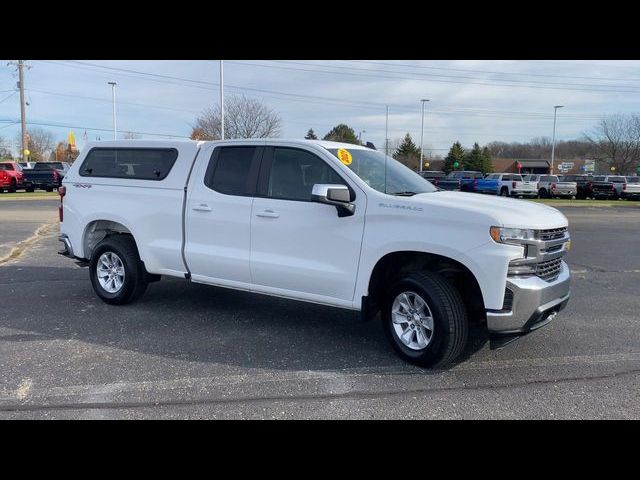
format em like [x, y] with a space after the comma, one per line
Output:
[116, 271]
[425, 319]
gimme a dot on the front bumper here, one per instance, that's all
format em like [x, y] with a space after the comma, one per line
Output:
[535, 303]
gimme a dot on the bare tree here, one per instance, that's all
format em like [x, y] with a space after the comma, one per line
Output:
[617, 142]
[131, 136]
[40, 143]
[5, 150]
[243, 118]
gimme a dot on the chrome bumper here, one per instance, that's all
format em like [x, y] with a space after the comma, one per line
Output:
[535, 304]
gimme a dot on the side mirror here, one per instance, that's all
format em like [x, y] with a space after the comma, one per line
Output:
[336, 195]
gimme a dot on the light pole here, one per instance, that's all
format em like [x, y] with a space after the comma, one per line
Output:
[113, 98]
[553, 141]
[360, 135]
[221, 99]
[424, 100]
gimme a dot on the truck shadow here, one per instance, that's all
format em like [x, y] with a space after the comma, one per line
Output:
[197, 323]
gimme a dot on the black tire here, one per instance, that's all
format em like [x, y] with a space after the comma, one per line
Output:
[12, 187]
[135, 280]
[504, 192]
[49, 189]
[542, 193]
[29, 189]
[449, 317]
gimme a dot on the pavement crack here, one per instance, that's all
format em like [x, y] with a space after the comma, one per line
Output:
[16, 252]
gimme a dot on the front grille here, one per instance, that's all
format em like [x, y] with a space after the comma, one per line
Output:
[549, 270]
[552, 234]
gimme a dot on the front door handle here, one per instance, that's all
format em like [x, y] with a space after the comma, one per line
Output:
[268, 214]
[202, 207]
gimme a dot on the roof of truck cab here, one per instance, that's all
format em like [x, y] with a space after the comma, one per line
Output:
[174, 143]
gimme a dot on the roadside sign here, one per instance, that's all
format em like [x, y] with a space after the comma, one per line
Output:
[589, 165]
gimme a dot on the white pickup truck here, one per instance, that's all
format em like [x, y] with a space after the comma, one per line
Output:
[324, 222]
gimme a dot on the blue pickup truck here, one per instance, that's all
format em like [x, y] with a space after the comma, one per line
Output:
[462, 180]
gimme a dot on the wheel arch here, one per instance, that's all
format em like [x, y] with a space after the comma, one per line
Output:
[97, 230]
[396, 263]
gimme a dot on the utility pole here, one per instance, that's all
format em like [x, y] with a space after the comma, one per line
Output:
[113, 101]
[553, 142]
[424, 100]
[221, 99]
[23, 114]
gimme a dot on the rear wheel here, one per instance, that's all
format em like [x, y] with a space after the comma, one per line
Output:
[425, 319]
[116, 271]
[504, 192]
[49, 189]
[542, 193]
[12, 187]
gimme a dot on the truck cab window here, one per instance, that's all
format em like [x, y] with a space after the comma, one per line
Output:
[294, 172]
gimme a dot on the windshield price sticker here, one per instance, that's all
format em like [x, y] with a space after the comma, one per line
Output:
[344, 156]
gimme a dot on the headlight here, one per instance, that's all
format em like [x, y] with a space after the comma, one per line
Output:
[508, 235]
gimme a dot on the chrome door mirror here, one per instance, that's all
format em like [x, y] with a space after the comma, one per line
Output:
[337, 195]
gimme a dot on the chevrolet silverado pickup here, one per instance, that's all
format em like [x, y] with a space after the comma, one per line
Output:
[608, 186]
[44, 175]
[631, 189]
[330, 223]
[507, 185]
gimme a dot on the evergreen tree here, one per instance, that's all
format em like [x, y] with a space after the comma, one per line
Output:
[487, 165]
[342, 133]
[473, 159]
[311, 135]
[456, 154]
[408, 153]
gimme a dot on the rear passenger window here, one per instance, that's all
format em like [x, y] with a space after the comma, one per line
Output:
[233, 170]
[134, 163]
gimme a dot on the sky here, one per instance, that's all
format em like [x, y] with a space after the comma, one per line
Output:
[469, 101]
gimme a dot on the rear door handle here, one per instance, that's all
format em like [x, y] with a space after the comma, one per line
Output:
[203, 207]
[268, 214]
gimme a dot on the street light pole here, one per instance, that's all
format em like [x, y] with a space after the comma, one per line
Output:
[113, 99]
[221, 99]
[360, 135]
[553, 141]
[424, 100]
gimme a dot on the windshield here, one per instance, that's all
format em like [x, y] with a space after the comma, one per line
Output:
[6, 166]
[633, 179]
[369, 165]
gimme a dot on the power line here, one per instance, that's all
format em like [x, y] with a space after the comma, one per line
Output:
[635, 79]
[351, 103]
[396, 77]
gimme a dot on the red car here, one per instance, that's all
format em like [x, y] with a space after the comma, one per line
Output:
[10, 176]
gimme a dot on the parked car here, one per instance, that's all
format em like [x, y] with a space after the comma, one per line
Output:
[464, 181]
[434, 176]
[323, 222]
[507, 185]
[550, 186]
[584, 184]
[5, 181]
[631, 189]
[44, 176]
[608, 186]
[14, 171]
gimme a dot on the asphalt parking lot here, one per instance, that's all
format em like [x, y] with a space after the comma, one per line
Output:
[191, 351]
